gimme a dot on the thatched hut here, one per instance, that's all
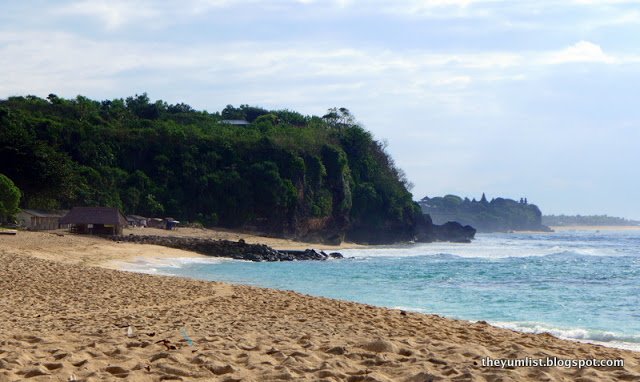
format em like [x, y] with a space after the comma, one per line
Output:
[95, 220]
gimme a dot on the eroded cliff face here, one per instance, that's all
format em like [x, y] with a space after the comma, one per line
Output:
[420, 229]
[425, 232]
[355, 221]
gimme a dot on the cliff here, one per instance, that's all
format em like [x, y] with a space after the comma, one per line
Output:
[276, 172]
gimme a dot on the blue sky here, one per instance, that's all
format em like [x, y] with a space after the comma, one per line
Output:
[533, 99]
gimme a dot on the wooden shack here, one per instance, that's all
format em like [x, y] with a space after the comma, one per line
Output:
[155, 223]
[95, 220]
[38, 220]
[136, 221]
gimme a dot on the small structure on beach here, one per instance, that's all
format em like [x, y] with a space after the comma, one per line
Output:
[171, 223]
[38, 220]
[95, 220]
[166, 223]
[137, 221]
[155, 223]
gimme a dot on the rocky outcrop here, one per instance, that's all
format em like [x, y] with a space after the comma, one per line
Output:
[422, 231]
[238, 250]
[453, 232]
[427, 232]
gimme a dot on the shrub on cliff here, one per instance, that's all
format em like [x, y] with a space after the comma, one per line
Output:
[9, 198]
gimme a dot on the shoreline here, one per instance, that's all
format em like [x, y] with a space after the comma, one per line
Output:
[212, 331]
[576, 228]
[74, 308]
[147, 266]
[249, 238]
[596, 228]
[97, 251]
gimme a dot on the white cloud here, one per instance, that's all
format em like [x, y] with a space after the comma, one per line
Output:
[151, 14]
[114, 13]
[605, 2]
[582, 51]
[279, 74]
[458, 81]
[442, 3]
[435, 8]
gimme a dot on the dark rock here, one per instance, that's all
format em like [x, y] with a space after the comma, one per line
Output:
[427, 232]
[454, 232]
[239, 250]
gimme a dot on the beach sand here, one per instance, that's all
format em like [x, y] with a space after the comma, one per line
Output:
[64, 247]
[64, 318]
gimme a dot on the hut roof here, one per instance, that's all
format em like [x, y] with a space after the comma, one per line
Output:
[44, 213]
[94, 215]
[137, 217]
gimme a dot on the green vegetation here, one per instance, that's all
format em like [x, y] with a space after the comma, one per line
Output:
[593, 220]
[284, 173]
[9, 198]
[499, 214]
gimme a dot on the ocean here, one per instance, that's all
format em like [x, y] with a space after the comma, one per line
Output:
[580, 285]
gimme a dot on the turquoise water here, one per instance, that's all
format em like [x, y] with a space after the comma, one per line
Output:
[577, 285]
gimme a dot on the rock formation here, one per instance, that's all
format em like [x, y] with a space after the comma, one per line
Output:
[238, 250]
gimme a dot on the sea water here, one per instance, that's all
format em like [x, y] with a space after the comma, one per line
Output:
[572, 284]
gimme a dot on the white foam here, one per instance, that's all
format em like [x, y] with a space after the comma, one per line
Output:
[605, 338]
[494, 246]
[410, 309]
[151, 265]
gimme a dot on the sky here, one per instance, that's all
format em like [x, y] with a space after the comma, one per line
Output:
[534, 99]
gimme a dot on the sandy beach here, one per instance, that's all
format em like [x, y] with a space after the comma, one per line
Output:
[66, 317]
[63, 247]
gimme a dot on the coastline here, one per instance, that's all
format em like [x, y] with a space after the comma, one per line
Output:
[65, 315]
[61, 246]
[250, 238]
[596, 228]
[586, 228]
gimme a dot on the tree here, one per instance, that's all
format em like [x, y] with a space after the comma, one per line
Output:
[141, 106]
[9, 198]
[339, 118]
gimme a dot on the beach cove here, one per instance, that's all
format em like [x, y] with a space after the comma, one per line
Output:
[64, 318]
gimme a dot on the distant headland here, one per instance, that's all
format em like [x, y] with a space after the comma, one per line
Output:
[587, 220]
[497, 215]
